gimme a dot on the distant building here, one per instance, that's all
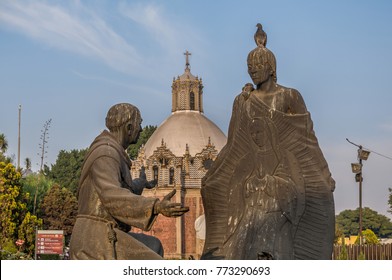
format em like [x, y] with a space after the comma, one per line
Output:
[178, 155]
[348, 240]
[386, 240]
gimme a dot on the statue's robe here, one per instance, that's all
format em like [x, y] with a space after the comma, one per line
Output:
[109, 205]
[302, 191]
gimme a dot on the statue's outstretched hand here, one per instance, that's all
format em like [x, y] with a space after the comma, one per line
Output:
[170, 209]
[151, 184]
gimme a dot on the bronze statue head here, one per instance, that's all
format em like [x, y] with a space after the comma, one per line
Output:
[261, 61]
[261, 65]
[124, 121]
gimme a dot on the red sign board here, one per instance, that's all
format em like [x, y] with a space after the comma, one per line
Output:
[50, 242]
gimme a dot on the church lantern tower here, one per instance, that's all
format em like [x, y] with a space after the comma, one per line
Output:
[187, 91]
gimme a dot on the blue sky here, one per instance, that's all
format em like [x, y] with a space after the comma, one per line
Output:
[69, 61]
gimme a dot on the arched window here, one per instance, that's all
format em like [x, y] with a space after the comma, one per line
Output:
[164, 162]
[192, 101]
[171, 176]
[155, 169]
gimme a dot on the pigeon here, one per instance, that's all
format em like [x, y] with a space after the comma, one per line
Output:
[260, 36]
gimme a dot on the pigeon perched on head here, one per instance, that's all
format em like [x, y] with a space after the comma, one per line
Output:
[260, 36]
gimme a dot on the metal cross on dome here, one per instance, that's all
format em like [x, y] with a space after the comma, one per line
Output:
[187, 54]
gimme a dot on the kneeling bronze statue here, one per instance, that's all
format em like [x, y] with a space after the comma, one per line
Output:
[110, 203]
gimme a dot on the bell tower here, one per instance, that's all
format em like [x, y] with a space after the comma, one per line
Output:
[187, 90]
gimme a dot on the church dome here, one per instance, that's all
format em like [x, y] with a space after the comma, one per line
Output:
[186, 128]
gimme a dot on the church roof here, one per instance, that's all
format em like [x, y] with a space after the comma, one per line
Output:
[184, 128]
[187, 75]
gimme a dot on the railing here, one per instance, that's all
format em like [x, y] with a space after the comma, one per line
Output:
[370, 252]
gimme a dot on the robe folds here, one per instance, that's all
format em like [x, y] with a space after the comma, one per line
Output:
[109, 205]
[287, 213]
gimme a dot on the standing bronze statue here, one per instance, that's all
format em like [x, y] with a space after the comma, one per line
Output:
[110, 202]
[269, 194]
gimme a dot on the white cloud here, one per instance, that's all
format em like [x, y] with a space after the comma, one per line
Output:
[78, 31]
[131, 87]
[171, 34]
[76, 28]
[150, 17]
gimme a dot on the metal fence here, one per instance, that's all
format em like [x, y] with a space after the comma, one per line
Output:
[370, 252]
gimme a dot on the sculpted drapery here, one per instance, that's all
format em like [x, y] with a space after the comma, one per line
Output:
[110, 203]
[107, 203]
[269, 194]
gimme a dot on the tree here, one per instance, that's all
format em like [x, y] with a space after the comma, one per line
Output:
[348, 222]
[3, 149]
[43, 145]
[338, 234]
[33, 183]
[390, 200]
[15, 220]
[11, 204]
[59, 209]
[26, 232]
[343, 254]
[27, 170]
[28, 163]
[67, 169]
[3, 143]
[146, 133]
[369, 237]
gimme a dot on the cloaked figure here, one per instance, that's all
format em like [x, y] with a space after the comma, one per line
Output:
[269, 193]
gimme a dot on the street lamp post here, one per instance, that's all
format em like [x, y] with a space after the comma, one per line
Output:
[19, 120]
[357, 169]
